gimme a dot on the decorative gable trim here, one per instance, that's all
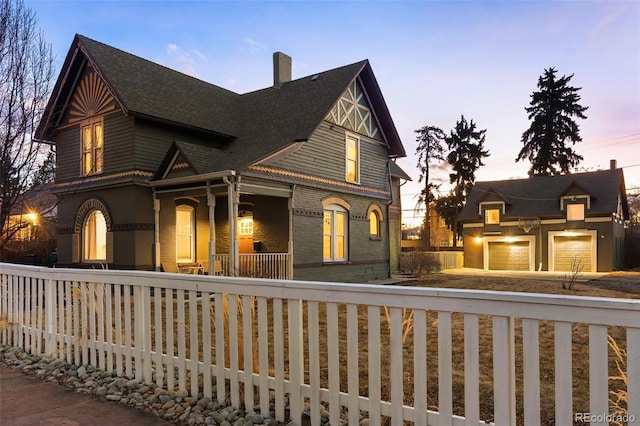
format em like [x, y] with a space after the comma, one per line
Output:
[572, 199]
[353, 112]
[91, 97]
[484, 204]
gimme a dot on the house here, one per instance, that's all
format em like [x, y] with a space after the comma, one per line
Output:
[159, 170]
[28, 234]
[549, 223]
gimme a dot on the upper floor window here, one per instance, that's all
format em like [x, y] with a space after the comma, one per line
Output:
[575, 211]
[334, 228]
[492, 216]
[92, 148]
[94, 237]
[353, 159]
[185, 233]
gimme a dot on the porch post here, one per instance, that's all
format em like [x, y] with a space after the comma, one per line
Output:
[234, 200]
[211, 202]
[156, 222]
[290, 243]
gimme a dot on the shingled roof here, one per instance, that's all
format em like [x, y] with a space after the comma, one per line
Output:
[257, 124]
[540, 195]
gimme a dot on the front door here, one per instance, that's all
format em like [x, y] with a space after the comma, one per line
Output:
[245, 234]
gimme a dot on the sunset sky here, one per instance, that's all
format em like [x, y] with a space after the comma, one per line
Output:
[434, 61]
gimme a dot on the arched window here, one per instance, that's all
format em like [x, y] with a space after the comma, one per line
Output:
[375, 217]
[374, 224]
[185, 233]
[94, 237]
[335, 238]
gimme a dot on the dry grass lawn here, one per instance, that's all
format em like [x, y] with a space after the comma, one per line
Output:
[615, 285]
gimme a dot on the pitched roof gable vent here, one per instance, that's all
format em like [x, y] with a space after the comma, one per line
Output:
[281, 68]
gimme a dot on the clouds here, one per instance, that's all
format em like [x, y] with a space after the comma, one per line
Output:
[188, 61]
[253, 46]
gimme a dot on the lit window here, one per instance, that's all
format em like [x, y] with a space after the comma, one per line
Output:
[185, 238]
[353, 157]
[334, 227]
[374, 224]
[575, 211]
[245, 226]
[95, 236]
[492, 216]
[92, 148]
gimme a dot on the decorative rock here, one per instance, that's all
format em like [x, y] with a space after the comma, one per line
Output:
[176, 406]
[170, 403]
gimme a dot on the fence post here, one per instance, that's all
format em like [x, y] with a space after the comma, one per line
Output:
[50, 316]
[296, 358]
[504, 373]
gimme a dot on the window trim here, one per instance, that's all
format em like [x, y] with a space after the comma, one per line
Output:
[379, 217]
[334, 210]
[85, 223]
[489, 218]
[192, 235]
[572, 210]
[94, 152]
[356, 139]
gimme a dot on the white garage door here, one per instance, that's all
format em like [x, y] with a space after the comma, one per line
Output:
[569, 249]
[509, 256]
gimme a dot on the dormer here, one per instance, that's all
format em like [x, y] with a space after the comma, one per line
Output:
[492, 207]
[575, 201]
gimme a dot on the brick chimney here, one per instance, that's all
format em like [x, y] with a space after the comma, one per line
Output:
[281, 68]
[613, 164]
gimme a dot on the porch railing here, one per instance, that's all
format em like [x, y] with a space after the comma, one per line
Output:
[257, 265]
[358, 350]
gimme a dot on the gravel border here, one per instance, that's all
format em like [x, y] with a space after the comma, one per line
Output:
[177, 407]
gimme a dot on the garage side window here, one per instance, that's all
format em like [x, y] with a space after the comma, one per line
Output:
[575, 211]
[95, 237]
[492, 217]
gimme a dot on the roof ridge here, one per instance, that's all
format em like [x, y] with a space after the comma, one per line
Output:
[153, 63]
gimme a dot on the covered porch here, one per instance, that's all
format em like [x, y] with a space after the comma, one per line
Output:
[223, 224]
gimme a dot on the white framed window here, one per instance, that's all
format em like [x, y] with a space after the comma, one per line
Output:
[353, 158]
[492, 217]
[94, 237]
[92, 148]
[185, 233]
[334, 228]
[575, 211]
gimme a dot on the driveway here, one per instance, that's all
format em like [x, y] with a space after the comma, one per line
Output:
[538, 275]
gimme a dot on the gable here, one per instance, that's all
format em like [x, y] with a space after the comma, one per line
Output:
[181, 166]
[91, 97]
[353, 112]
[546, 196]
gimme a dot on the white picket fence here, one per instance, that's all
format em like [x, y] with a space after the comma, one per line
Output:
[261, 341]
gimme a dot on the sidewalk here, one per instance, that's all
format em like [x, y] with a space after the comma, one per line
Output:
[25, 400]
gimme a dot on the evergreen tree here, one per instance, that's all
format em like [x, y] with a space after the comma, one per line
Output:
[552, 128]
[466, 151]
[466, 145]
[430, 147]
